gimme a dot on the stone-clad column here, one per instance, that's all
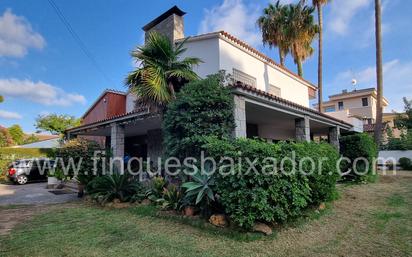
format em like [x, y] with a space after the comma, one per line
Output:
[302, 129]
[117, 140]
[240, 116]
[334, 134]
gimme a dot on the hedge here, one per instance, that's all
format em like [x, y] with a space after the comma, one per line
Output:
[358, 146]
[258, 196]
[8, 155]
[201, 108]
[405, 163]
[81, 152]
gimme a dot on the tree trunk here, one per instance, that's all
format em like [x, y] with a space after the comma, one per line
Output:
[300, 68]
[379, 72]
[172, 90]
[320, 58]
[281, 57]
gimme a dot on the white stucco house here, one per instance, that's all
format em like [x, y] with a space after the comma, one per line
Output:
[271, 102]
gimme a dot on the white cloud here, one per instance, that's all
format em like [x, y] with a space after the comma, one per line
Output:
[342, 13]
[397, 81]
[234, 17]
[39, 92]
[17, 35]
[9, 115]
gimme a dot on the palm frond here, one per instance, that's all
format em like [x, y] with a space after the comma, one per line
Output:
[161, 64]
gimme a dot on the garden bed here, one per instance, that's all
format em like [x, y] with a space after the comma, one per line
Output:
[367, 220]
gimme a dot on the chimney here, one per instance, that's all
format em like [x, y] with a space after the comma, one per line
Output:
[170, 24]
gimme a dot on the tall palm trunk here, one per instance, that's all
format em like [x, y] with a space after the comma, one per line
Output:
[297, 59]
[300, 67]
[281, 57]
[172, 90]
[320, 58]
[379, 72]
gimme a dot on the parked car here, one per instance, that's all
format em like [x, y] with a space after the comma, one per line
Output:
[25, 170]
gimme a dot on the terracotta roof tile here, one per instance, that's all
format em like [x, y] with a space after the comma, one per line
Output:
[136, 111]
[284, 101]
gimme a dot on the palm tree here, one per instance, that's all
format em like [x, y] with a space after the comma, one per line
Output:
[301, 31]
[273, 26]
[319, 4]
[379, 72]
[161, 72]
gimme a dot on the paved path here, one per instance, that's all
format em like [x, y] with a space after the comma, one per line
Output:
[31, 193]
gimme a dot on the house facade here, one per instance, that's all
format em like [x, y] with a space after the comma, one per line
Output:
[360, 103]
[271, 102]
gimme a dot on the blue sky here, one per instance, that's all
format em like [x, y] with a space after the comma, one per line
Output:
[43, 69]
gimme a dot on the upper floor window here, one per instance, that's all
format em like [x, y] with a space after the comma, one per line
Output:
[365, 101]
[340, 106]
[330, 109]
[274, 90]
[244, 78]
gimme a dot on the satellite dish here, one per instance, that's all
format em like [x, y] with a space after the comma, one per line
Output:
[354, 82]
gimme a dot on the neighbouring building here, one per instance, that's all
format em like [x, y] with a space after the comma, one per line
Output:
[388, 120]
[271, 102]
[360, 104]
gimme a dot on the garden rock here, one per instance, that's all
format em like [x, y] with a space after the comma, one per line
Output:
[146, 202]
[263, 228]
[218, 220]
[322, 206]
[117, 205]
[121, 205]
[189, 211]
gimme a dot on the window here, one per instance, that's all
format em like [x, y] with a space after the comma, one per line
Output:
[340, 106]
[244, 78]
[330, 109]
[274, 90]
[364, 101]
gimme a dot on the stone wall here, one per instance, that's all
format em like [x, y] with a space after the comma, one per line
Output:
[334, 134]
[302, 129]
[240, 116]
[117, 140]
[172, 27]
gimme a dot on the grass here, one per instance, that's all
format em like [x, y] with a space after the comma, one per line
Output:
[367, 220]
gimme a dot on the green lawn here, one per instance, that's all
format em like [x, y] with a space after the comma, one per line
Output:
[368, 220]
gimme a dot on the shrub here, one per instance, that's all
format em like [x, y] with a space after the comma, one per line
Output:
[168, 196]
[272, 195]
[200, 191]
[322, 181]
[116, 186]
[405, 163]
[402, 144]
[358, 146]
[171, 198]
[74, 151]
[203, 107]
[5, 138]
[156, 187]
[248, 197]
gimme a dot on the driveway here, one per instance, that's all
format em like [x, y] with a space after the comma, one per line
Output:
[33, 193]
